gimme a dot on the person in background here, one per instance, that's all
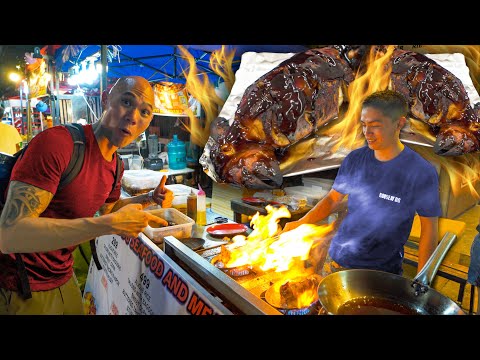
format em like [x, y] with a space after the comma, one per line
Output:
[45, 225]
[386, 183]
[10, 139]
[474, 267]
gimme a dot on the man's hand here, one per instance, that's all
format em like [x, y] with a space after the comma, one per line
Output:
[131, 220]
[163, 196]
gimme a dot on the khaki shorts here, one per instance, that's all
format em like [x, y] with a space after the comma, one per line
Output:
[64, 300]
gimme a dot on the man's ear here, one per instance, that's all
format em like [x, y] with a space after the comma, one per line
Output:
[401, 122]
[104, 99]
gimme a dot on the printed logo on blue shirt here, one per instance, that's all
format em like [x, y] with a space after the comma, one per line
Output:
[389, 197]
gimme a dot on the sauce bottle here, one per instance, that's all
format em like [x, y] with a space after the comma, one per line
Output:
[201, 207]
[192, 206]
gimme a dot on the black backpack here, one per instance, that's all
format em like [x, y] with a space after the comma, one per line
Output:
[75, 165]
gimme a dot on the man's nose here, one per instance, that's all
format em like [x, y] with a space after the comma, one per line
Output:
[133, 116]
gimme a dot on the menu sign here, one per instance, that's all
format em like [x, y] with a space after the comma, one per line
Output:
[137, 278]
[172, 99]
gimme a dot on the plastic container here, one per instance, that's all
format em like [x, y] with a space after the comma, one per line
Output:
[136, 182]
[192, 205]
[201, 207]
[182, 229]
[177, 155]
[153, 147]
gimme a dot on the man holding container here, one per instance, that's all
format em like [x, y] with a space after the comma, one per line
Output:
[45, 226]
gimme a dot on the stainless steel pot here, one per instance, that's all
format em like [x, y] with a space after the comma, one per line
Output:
[373, 292]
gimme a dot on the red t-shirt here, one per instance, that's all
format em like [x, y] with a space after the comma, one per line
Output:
[42, 165]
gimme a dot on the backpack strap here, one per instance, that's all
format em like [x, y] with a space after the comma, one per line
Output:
[118, 170]
[78, 154]
[93, 248]
[24, 285]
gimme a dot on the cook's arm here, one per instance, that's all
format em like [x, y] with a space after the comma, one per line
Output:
[320, 211]
[428, 239]
[160, 196]
[144, 199]
[23, 230]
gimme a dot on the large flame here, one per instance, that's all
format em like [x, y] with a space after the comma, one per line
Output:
[221, 64]
[463, 171]
[269, 252]
[375, 78]
[299, 151]
[200, 87]
[300, 291]
[419, 127]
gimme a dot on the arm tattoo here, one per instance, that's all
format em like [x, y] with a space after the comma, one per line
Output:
[24, 200]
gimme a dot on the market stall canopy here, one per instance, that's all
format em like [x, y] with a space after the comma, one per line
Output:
[157, 62]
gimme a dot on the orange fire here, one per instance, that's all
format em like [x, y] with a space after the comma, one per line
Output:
[375, 78]
[221, 64]
[267, 251]
[463, 170]
[302, 296]
[200, 87]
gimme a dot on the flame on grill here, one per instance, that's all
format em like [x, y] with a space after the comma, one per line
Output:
[303, 295]
[278, 253]
[200, 87]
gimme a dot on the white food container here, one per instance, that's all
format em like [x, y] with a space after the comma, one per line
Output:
[182, 229]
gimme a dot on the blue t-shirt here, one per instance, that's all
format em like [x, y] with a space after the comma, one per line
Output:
[382, 200]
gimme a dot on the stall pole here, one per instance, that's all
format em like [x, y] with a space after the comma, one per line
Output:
[29, 115]
[103, 75]
[21, 108]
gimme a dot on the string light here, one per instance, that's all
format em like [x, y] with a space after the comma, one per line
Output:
[86, 73]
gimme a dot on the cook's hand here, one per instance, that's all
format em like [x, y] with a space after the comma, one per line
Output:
[163, 196]
[291, 225]
[131, 220]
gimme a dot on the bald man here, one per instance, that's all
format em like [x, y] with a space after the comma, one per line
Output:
[46, 225]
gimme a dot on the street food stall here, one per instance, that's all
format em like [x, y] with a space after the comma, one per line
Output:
[139, 277]
[209, 273]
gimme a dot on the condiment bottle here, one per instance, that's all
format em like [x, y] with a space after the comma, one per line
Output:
[201, 207]
[192, 205]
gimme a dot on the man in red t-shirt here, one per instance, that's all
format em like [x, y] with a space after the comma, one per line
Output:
[45, 226]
